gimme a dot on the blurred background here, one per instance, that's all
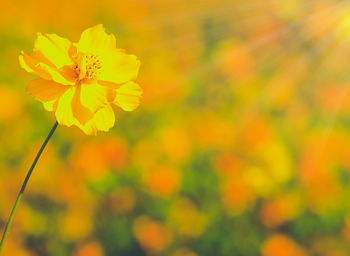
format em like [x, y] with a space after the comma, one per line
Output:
[241, 145]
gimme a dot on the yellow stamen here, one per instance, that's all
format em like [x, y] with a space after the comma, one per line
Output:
[88, 66]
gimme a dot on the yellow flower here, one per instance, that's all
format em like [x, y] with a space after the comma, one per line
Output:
[79, 81]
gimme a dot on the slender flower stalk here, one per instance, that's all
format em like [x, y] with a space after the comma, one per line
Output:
[79, 82]
[9, 222]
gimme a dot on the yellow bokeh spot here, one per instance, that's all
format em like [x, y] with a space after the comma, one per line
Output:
[186, 219]
[75, 225]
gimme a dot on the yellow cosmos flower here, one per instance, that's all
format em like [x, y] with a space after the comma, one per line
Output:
[80, 81]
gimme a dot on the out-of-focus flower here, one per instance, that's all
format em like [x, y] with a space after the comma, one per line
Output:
[281, 245]
[279, 210]
[163, 180]
[90, 249]
[11, 105]
[346, 228]
[80, 80]
[317, 173]
[15, 248]
[96, 159]
[186, 219]
[152, 235]
[76, 224]
[176, 143]
[236, 195]
[235, 61]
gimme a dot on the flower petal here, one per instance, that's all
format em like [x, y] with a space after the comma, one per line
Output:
[103, 120]
[128, 96]
[45, 90]
[64, 114]
[37, 64]
[81, 113]
[50, 105]
[95, 96]
[118, 67]
[95, 40]
[54, 48]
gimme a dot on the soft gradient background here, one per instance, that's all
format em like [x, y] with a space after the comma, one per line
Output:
[241, 145]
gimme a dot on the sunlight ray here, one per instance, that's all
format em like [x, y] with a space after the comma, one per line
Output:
[254, 45]
[319, 46]
[227, 11]
[333, 117]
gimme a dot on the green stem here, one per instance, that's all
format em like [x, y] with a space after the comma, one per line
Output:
[8, 225]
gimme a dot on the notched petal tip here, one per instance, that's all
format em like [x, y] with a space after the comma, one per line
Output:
[128, 96]
[96, 40]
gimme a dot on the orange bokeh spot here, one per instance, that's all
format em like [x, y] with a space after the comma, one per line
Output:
[97, 158]
[152, 235]
[216, 132]
[90, 249]
[236, 62]
[236, 195]
[329, 96]
[279, 245]
[15, 248]
[11, 104]
[279, 210]
[162, 181]
[317, 171]
[175, 143]
[346, 228]
[255, 131]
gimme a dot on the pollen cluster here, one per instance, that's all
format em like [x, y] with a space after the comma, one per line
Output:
[93, 66]
[87, 66]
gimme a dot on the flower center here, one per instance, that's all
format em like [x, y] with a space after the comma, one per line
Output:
[87, 66]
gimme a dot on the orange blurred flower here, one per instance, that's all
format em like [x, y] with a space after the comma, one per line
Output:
[152, 235]
[11, 105]
[163, 181]
[90, 249]
[279, 210]
[80, 80]
[236, 195]
[96, 159]
[278, 245]
[346, 228]
[15, 248]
